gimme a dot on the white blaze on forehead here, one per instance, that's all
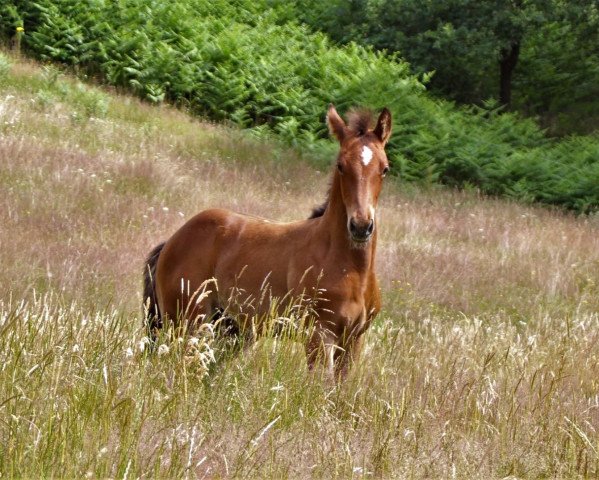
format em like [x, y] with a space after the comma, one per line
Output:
[366, 155]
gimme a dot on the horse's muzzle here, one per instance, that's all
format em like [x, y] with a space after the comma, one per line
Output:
[361, 232]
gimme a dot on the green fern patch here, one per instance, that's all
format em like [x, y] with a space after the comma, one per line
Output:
[246, 63]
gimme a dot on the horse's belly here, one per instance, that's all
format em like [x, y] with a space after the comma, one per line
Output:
[251, 282]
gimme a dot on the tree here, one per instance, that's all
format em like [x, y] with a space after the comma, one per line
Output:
[473, 46]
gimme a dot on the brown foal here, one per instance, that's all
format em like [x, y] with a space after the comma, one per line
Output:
[332, 253]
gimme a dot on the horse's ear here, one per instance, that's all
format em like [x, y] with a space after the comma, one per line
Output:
[383, 126]
[335, 123]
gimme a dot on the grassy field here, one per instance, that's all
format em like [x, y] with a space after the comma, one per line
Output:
[483, 363]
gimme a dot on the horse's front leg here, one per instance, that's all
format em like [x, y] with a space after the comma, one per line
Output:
[352, 339]
[321, 349]
[337, 349]
[347, 356]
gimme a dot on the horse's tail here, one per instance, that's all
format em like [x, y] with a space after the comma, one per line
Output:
[153, 318]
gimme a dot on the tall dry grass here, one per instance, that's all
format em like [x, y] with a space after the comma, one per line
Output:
[484, 361]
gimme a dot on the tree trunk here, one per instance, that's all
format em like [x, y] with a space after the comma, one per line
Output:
[507, 64]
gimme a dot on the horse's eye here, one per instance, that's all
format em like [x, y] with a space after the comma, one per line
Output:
[340, 168]
[385, 171]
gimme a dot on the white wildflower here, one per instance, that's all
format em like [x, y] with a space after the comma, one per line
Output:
[163, 350]
[141, 345]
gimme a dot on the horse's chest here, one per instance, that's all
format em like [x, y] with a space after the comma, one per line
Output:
[345, 291]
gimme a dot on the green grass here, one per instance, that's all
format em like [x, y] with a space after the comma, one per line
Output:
[431, 398]
[483, 362]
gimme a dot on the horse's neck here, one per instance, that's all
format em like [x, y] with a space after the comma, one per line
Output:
[334, 221]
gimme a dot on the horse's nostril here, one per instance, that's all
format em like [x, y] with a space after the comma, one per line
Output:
[370, 227]
[361, 231]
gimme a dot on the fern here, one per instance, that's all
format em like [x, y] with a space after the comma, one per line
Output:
[244, 62]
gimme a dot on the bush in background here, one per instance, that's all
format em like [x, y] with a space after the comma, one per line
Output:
[249, 64]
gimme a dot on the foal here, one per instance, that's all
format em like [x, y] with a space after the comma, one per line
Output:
[332, 253]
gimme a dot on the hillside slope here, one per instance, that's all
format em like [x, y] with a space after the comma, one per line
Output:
[244, 62]
[483, 362]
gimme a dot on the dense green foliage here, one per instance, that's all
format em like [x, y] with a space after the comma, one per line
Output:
[555, 71]
[448, 37]
[558, 76]
[246, 63]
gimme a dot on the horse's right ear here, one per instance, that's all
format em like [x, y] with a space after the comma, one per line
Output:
[335, 123]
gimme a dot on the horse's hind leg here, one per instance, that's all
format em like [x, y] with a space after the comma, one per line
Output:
[233, 331]
[225, 325]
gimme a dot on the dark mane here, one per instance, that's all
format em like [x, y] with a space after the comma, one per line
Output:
[359, 121]
[319, 211]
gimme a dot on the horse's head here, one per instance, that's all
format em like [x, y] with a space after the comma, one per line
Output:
[361, 166]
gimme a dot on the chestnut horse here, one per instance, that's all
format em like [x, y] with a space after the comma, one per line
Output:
[333, 253]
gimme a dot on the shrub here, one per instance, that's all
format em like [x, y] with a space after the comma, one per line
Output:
[247, 64]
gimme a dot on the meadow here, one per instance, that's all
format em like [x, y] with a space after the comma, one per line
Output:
[483, 363]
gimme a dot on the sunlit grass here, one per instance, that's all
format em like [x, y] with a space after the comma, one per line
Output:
[483, 363]
[431, 398]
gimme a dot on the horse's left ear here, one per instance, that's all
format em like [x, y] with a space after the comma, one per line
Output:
[383, 126]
